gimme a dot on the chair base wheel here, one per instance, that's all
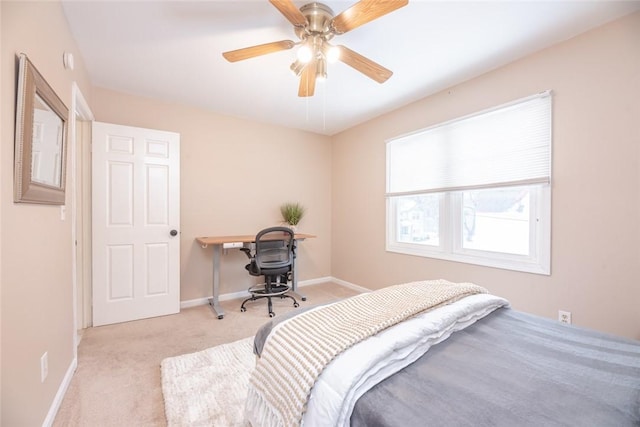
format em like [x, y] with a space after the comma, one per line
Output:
[259, 293]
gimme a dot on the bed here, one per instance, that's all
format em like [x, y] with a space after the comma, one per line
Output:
[468, 360]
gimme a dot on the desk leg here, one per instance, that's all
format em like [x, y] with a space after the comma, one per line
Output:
[294, 279]
[214, 302]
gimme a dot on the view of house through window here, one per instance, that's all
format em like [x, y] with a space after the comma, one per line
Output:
[419, 219]
[494, 220]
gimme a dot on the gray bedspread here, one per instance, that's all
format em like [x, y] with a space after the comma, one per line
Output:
[510, 369]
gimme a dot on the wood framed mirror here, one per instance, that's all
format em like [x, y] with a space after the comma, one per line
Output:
[41, 137]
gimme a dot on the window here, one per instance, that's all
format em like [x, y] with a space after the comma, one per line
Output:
[475, 189]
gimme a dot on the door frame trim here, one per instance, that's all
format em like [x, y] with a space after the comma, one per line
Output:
[79, 108]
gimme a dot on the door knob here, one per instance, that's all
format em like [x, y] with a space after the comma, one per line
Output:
[173, 232]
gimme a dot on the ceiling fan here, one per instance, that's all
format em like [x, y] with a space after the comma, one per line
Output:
[315, 24]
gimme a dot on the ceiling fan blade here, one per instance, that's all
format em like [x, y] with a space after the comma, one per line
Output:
[366, 66]
[261, 49]
[362, 12]
[290, 11]
[308, 79]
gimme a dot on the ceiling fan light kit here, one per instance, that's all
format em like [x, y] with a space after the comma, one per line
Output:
[315, 24]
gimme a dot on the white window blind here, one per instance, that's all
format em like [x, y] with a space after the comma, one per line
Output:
[506, 145]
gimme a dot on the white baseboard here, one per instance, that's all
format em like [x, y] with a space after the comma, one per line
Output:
[350, 285]
[205, 300]
[62, 390]
[245, 294]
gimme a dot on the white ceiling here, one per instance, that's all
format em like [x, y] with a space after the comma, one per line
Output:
[172, 51]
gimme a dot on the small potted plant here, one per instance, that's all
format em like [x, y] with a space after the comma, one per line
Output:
[292, 213]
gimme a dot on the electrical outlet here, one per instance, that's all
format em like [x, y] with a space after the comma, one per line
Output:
[44, 366]
[564, 316]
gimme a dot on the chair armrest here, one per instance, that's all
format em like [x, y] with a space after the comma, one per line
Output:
[247, 251]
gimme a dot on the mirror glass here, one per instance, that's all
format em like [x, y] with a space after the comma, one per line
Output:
[46, 144]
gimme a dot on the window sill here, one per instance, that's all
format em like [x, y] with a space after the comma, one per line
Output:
[525, 265]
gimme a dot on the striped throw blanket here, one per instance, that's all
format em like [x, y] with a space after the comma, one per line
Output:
[298, 350]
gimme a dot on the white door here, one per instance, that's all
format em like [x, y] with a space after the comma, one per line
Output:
[135, 215]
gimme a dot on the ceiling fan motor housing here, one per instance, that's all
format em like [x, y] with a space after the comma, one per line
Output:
[319, 18]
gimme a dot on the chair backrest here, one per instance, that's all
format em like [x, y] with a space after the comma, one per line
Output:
[274, 248]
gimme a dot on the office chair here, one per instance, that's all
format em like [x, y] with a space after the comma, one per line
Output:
[273, 259]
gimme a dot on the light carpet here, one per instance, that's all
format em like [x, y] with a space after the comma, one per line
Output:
[208, 388]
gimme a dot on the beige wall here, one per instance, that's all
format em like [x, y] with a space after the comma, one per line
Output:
[596, 183]
[35, 274]
[234, 176]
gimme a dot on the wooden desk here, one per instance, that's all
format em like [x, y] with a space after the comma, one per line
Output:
[237, 242]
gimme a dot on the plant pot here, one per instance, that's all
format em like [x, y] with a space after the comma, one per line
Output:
[292, 227]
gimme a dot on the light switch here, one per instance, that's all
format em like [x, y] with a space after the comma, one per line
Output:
[63, 212]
